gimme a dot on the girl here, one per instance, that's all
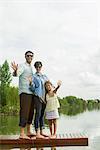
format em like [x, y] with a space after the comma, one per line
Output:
[52, 107]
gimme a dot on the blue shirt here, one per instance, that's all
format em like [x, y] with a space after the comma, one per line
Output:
[37, 86]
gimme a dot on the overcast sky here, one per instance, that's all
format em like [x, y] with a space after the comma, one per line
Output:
[63, 34]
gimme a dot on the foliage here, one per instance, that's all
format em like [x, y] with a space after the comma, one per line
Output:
[9, 125]
[9, 101]
[72, 105]
[5, 74]
[5, 80]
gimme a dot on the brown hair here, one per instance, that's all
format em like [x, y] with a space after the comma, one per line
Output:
[47, 82]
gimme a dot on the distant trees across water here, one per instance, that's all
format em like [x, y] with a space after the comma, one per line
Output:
[9, 99]
[71, 105]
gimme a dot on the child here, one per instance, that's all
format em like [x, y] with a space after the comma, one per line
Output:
[52, 107]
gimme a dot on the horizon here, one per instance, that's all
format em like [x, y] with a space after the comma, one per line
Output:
[64, 35]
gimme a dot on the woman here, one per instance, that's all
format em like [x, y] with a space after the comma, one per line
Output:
[37, 87]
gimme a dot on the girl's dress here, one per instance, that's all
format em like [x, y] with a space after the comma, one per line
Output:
[52, 107]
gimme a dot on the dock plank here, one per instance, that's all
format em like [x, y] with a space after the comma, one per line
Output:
[70, 139]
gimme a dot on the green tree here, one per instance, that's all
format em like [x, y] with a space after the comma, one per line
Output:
[5, 80]
[5, 74]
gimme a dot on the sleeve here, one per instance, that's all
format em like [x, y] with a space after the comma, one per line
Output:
[32, 87]
[45, 77]
[46, 98]
[20, 70]
[55, 90]
[35, 84]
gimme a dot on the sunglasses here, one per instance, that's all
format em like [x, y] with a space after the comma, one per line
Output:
[29, 55]
[38, 66]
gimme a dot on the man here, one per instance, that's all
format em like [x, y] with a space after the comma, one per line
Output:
[23, 71]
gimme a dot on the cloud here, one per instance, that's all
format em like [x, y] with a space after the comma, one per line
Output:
[62, 34]
[89, 79]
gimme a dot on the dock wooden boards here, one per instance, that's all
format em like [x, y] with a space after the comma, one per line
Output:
[13, 141]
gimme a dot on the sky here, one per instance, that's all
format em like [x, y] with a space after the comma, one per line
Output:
[63, 34]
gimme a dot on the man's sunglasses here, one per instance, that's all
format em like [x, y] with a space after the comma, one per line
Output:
[29, 55]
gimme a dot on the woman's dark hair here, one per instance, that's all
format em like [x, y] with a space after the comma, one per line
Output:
[37, 64]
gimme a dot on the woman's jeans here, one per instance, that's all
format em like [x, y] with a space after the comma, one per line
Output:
[39, 114]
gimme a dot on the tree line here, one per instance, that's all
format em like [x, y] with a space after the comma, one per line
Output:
[71, 105]
[9, 99]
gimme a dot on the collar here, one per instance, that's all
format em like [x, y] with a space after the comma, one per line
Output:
[38, 74]
[27, 64]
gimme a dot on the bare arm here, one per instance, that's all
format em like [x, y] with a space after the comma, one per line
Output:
[58, 85]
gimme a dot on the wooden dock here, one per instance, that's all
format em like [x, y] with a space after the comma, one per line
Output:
[13, 141]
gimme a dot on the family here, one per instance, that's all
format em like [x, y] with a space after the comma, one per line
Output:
[37, 98]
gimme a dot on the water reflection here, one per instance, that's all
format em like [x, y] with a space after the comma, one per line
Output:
[35, 148]
[88, 122]
[52, 148]
[71, 105]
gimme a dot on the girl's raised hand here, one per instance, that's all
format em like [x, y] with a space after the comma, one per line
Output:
[59, 82]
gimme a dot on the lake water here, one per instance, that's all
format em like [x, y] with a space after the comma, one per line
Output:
[87, 122]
